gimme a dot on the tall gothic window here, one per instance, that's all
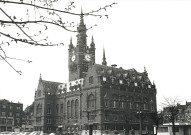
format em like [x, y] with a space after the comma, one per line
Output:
[114, 101]
[145, 104]
[131, 103]
[68, 109]
[48, 109]
[72, 109]
[76, 108]
[91, 101]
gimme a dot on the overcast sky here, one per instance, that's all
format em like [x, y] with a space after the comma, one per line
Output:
[154, 34]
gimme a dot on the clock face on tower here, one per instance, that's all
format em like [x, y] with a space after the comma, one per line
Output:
[87, 57]
[73, 58]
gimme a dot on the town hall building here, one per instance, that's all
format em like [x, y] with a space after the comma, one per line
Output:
[98, 99]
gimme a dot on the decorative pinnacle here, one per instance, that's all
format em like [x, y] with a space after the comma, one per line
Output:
[71, 40]
[40, 77]
[81, 17]
[104, 58]
[92, 38]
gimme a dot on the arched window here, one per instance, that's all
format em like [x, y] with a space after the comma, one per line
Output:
[48, 109]
[138, 102]
[123, 102]
[68, 109]
[61, 108]
[91, 101]
[72, 109]
[76, 108]
[114, 101]
[145, 104]
[131, 103]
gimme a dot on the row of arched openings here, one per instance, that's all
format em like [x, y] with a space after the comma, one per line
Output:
[73, 108]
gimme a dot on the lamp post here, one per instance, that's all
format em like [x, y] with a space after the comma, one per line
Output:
[140, 124]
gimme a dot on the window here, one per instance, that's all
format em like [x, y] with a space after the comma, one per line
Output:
[48, 129]
[106, 127]
[38, 120]
[152, 108]
[57, 108]
[131, 105]
[48, 109]
[176, 129]
[91, 115]
[3, 121]
[68, 109]
[4, 106]
[123, 104]
[137, 106]
[76, 108]
[48, 121]
[3, 113]
[17, 114]
[114, 104]
[106, 115]
[91, 80]
[115, 118]
[91, 101]
[10, 114]
[106, 103]
[61, 108]
[163, 129]
[72, 109]
[9, 121]
[17, 121]
[18, 107]
[11, 107]
[39, 108]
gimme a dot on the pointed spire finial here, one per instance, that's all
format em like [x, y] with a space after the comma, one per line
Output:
[70, 45]
[92, 38]
[104, 58]
[40, 79]
[82, 17]
[71, 40]
[145, 69]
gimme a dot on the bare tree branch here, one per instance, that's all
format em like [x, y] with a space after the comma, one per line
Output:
[46, 15]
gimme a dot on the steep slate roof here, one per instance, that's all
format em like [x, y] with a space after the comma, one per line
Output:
[121, 73]
[50, 86]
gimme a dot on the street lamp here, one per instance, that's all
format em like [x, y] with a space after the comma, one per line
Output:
[140, 118]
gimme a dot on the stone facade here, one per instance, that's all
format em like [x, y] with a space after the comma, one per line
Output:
[98, 99]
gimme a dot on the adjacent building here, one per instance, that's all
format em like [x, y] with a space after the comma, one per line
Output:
[98, 99]
[28, 119]
[10, 116]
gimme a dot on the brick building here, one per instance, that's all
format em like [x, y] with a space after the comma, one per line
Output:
[10, 115]
[98, 99]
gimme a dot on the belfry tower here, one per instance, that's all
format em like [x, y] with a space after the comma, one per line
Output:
[81, 55]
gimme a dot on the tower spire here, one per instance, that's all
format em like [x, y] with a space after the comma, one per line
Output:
[104, 62]
[70, 45]
[40, 78]
[92, 43]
